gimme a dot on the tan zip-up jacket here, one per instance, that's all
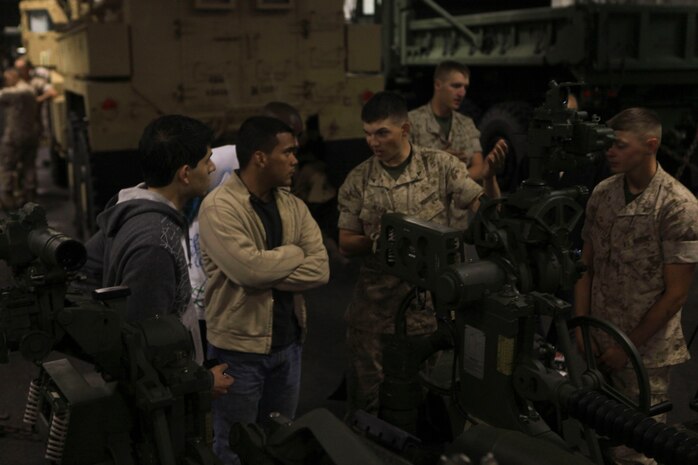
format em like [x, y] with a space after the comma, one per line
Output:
[241, 272]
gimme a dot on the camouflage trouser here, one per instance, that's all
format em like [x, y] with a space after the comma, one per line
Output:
[625, 382]
[17, 173]
[366, 373]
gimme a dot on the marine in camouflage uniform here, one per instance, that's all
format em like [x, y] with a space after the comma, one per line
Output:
[640, 242]
[439, 125]
[38, 79]
[631, 244]
[424, 190]
[463, 139]
[19, 142]
[404, 178]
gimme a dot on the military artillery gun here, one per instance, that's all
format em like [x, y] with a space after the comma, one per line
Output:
[150, 402]
[492, 307]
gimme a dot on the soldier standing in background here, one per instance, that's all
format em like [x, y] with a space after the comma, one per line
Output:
[19, 141]
[43, 90]
[439, 125]
[40, 84]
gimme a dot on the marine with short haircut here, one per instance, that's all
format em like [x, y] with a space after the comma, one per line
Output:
[399, 177]
[439, 125]
[640, 248]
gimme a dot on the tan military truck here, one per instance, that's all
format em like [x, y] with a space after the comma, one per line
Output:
[122, 62]
[119, 64]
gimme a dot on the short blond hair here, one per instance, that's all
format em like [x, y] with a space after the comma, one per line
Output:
[445, 68]
[639, 121]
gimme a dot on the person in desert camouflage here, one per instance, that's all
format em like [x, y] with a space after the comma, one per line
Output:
[640, 246]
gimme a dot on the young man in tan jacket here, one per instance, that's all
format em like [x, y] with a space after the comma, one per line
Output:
[261, 248]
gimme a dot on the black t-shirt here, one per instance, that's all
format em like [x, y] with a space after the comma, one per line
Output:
[396, 171]
[445, 124]
[629, 196]
[285, 327]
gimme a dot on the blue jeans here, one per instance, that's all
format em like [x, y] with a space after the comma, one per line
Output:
[263, 384]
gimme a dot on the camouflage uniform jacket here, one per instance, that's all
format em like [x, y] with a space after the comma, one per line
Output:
[19, 104]
[424, 190]
[39, 84]
[463, 137]
[631, 243]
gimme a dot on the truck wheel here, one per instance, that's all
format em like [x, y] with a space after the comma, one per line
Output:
[508, 121]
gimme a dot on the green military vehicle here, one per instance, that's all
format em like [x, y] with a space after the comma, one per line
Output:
[626, 54]
[121, 63]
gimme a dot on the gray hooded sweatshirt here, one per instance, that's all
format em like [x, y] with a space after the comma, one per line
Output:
[140, 245]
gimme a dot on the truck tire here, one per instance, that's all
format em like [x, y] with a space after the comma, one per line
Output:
[508, 121]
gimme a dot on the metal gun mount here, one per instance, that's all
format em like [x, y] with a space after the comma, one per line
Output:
[560, 138]
[152, 404]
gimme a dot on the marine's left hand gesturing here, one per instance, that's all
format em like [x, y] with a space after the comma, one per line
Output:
[495, 159]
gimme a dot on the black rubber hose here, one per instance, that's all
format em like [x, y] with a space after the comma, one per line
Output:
[624, 424]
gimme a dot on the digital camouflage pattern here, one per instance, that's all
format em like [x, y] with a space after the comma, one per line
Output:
[20, 107]
[18, 145]
[39, 84]
[424, 190]
[430, 182]
[463, 138]
[631, 243]
[364, 381]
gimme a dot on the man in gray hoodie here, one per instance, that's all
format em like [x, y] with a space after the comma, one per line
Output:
[142, 235]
